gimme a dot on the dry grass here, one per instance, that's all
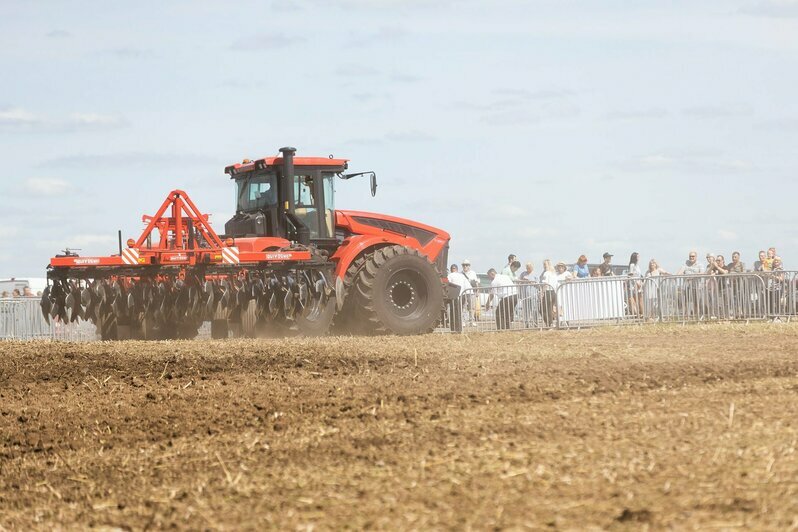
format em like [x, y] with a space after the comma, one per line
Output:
[610, 428]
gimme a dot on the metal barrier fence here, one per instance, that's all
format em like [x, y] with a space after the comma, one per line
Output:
[624, 300]
[599, 301]
[781, 289]
[21, 319]
[531, 306]
[524, 306]
[687, 298]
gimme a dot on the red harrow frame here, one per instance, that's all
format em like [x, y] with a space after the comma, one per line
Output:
[164, 286]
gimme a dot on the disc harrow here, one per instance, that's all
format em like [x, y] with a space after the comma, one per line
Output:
[169, 307]
[168, 290]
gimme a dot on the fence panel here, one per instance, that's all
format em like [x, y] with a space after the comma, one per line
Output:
[482, 309]
[599, 301]
[692, 298]
[21, 319]
[781, 292]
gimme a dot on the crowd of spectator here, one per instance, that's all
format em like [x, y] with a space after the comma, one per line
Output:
[503, 295]
[15, 293]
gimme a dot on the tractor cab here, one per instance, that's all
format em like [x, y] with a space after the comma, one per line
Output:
[287, 197]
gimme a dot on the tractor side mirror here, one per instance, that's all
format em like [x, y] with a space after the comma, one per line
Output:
[372, 176]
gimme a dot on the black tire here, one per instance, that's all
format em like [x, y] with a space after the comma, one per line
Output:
[398, 291]
[317, 321]
[346, 320]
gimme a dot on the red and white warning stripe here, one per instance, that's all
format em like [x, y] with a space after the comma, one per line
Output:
[230, 255]
[130, 256]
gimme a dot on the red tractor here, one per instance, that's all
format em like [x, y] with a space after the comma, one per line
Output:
[287, 261]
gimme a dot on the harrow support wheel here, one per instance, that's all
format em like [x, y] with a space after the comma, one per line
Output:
[317, 320]
[398, 291]
[346, 320]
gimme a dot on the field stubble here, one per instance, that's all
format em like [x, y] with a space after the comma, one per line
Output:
[606, 428]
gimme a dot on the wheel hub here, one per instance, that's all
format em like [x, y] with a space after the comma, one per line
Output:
[402, 295]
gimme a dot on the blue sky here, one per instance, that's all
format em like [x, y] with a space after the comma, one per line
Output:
[547, 129]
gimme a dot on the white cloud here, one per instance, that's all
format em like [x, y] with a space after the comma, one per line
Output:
[643, 114]
[17, 117]
[719, 111]
[727, 235]
[409, 136]
[658, 160]
[58, 34]
[96, 120]
[47, 186]
[773, 8]
[352, 70]
[266, 41]
[702, 163]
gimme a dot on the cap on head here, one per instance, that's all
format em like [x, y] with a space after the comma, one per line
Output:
[466, 262]
[561, 263]
[607, 255]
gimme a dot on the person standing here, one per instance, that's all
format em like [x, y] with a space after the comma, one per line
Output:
[503, 289]
[736, 305]
[771, 256]
[529, 295]
[527, 274]
[691, 291]
[456, 304]
[470, 274]
[471, 300]
[735, 266]
[761, 265]
[605, 266]
[652, 290]
[718, 285]
[775, 287]
[581, 269]
[691, 265]
[549, 281]
[508, 271]
[635, 286]
[563, 275]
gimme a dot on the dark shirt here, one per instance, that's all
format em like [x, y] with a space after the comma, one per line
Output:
[735, 268]
[605, 269]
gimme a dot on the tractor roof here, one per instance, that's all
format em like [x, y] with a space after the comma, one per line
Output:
[248, 165]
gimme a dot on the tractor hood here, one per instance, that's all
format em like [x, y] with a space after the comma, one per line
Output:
[359, 222]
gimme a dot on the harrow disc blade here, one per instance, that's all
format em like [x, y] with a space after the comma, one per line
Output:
[46, 305]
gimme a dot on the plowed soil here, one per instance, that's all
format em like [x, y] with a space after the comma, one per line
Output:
[633, 428]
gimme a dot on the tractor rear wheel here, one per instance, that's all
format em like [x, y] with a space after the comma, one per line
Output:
[398, 291]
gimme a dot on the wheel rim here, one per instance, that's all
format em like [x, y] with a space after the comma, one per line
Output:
[407, 293]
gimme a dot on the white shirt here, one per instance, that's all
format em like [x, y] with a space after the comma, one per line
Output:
[460, 280]
[507, 271]
[634, 270]
[502, 286]
[550, 278]
[471, 275]
[564, 276]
